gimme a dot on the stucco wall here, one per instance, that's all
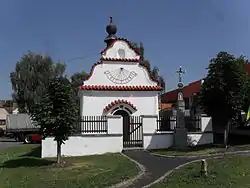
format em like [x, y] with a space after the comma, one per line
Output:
[200, 138]
[165, 140]
[84, 145]
[95, 101]
[99, 77]
[112, 141]
[158, 140]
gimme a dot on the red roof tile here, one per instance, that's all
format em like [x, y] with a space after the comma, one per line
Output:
[188, 91]
[120, 88]
[109, 106]
[119, 59]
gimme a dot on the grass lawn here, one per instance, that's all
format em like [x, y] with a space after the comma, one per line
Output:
[199, 150]
[22, 167]
[230, 172]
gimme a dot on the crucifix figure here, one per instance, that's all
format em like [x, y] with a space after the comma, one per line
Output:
[180, 72]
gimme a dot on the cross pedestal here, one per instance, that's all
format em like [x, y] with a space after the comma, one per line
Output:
[180, 133]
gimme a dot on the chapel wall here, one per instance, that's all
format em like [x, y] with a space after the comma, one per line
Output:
[99, 75]
[145, 102]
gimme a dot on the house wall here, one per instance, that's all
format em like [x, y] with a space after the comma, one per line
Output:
[93, 102]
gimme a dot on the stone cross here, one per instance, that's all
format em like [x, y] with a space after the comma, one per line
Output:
[180, 72]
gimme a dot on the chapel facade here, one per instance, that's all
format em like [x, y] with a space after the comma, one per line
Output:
[118, 84]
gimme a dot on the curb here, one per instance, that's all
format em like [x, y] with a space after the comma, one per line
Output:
[201, 156]
[130, 181]
[174, 169]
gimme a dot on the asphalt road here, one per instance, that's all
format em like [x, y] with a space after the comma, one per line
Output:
[8, 142]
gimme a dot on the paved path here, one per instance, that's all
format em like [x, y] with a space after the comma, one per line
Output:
[156, 166]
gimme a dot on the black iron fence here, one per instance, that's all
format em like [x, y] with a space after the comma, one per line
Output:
[132, 132]
[169, 123]
[193, 123]
[92, 124]
[166, 123]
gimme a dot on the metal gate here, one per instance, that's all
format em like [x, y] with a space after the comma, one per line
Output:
[132, 132]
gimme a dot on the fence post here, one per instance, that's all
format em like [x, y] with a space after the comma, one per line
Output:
[115, 124]
[206, 123]
[149, 123]
[173, 122]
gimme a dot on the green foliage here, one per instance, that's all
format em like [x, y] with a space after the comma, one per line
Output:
[31, 77]
[222, 93]
[154, 73]
[76, 81]
[78, 78]
[56, 111]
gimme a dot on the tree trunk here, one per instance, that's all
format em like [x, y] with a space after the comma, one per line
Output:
[226, 132]
[59, 144]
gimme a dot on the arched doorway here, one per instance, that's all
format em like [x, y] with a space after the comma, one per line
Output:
[125, 116]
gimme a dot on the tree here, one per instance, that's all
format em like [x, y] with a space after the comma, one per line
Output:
[222, 92]
[56, 112]
[78, 78]
[31, 77]
[76, 81]
[154, 73]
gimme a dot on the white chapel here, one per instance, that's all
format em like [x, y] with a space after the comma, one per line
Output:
[117, 84]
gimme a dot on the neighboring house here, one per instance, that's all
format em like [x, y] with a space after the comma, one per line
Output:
[190, 95]
[3, 117]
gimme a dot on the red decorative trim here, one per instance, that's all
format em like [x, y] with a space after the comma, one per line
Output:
[119, 59]
[120, 39]
[109, 106]
[92, 69]
[120, 88]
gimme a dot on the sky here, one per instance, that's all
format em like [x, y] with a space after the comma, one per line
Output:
[174, 33]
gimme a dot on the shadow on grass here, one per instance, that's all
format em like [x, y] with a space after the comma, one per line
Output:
[26, 162]
[35, 152]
